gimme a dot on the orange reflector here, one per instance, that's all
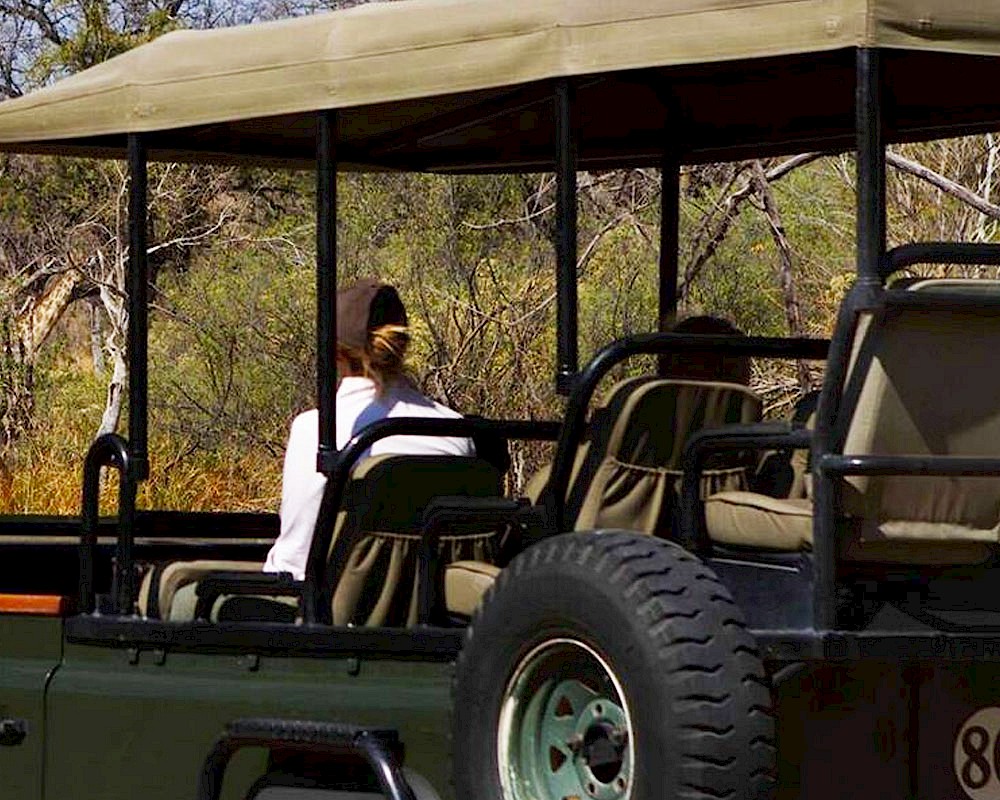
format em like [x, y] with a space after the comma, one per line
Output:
[50, 605]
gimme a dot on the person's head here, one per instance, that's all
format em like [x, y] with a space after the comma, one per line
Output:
[706, 365]
[372, 335]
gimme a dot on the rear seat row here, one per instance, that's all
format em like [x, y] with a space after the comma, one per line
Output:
[627, 470]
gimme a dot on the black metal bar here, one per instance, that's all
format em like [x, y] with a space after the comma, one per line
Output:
[265, 638]
[109, 450]
[651, 344]
[762, 436]
[380, 748]
[870, 164]
[316, 594]
[908, 255]
[326, 288]
[225, 582]
[456, 515]
[844, 646]
[670, 186]
[123, 587]
[566, 295]
[861, 295]
[953, 466]
[871, 237]
[137, 289]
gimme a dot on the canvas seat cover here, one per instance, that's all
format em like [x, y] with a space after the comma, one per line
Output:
[634, 461]
[627, 470]
[932, 389]
[626, 474]
[381, 520]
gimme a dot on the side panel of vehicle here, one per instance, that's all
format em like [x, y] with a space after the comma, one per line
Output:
[889, 729]
[30, 649]
[123, 726]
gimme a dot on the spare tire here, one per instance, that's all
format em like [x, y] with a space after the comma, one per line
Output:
[612, 666]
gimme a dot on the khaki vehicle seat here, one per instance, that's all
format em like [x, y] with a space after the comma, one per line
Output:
[933, 389]
[630, 475]
[627, 473]
[608, 409]
[382, 509]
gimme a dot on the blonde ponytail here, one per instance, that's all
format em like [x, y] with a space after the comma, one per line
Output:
[383, 359]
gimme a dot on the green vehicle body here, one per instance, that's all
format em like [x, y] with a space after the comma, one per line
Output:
[113, 723]
[104, 705]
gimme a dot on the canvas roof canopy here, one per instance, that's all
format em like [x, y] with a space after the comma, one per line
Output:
[467, 85]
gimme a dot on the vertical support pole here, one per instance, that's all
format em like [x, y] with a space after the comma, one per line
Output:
[871, 237]
[871, 225]
[137, 288]
[326, 351]
[566, 244]
[326, 288]
[670, 210]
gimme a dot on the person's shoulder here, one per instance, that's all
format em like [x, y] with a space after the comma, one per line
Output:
[417, 403]
[305, 421]
[444, 411]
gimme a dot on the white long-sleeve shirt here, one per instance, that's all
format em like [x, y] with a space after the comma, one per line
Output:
[358, 406]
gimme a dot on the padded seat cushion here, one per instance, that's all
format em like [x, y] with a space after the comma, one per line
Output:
[748, 519]
[161, 584]
[465, 583]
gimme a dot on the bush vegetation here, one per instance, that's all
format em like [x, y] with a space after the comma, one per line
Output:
[232, 345]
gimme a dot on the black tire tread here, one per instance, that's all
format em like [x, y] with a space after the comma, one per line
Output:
[696, 632]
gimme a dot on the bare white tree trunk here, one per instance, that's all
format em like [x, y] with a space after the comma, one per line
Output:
[96, 346]
[112, 293]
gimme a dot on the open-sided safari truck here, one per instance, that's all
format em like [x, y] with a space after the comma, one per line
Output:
[651, 625]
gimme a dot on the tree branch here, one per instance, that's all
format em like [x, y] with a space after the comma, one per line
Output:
[946, 185]
[731, 207]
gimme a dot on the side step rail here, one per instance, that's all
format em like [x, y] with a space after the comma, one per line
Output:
[380, 747]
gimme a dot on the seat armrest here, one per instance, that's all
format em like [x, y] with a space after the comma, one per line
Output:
[216, 584]
[759, 436]
[449, 516]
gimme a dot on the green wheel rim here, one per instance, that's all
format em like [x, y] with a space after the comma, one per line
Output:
[565, 731]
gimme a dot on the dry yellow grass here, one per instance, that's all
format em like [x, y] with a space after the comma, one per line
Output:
[45, 477]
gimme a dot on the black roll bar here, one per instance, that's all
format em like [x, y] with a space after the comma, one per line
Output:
[670, 187]
[137, 289]
[870, 164]
[566, 244]
[908, 255]
[326, 289]
[652, 344]
[108, 450]
[933, 466]
[871, 261]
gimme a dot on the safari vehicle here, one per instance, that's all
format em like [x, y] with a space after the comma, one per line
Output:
[638, 634]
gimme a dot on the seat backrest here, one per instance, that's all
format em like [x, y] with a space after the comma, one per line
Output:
[630, 476]
[932, 389]
[602, 416]
[373, 555]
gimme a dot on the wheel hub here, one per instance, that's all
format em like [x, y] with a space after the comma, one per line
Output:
[564, 729]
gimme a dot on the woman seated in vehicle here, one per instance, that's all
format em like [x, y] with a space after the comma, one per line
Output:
[372, 339]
